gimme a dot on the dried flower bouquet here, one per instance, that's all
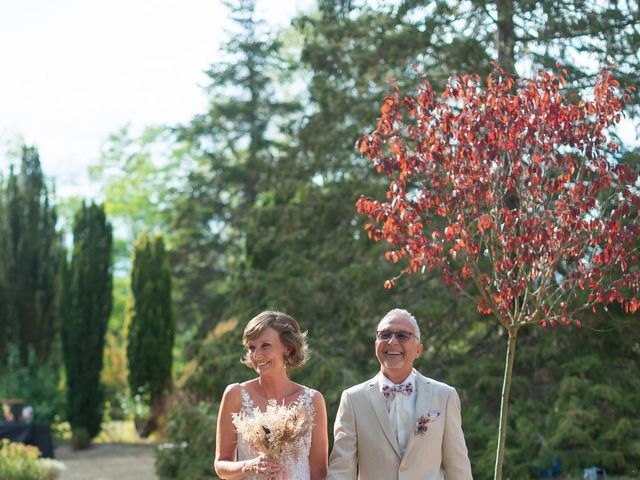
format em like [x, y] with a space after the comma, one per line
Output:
[275, 432]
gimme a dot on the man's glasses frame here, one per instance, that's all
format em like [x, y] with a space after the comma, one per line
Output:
[386, 335]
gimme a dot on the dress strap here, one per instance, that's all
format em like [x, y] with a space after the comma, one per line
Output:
[307, 399]
[247, 403]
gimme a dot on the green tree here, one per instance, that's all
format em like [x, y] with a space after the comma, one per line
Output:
[234, 150]
[87, 301]
[135, 174]
[151, 324]
[29, 258]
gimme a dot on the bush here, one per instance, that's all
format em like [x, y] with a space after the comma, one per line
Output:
[191, 430]
[21, 462]
[38, 385]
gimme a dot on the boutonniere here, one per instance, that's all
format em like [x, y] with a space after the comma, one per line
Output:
[422, 425]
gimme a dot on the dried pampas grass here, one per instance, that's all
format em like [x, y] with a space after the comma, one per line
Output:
[275, 432]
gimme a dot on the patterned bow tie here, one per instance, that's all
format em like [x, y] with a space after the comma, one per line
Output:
[390, 390]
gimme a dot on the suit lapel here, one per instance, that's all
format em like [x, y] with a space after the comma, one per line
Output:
[380, 407]
[423, 401]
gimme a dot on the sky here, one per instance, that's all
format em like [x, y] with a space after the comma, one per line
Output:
[74, 71]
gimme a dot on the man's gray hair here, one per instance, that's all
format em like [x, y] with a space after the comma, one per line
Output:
[400, 312]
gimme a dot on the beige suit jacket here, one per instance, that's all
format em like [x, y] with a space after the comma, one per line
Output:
[365, 446]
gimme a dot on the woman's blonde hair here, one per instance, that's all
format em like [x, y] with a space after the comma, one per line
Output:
[290, 335]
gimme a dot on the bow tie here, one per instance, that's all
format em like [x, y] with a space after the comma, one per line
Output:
[390, 390]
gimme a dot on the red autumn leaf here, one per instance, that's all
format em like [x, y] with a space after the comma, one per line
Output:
[386, 107]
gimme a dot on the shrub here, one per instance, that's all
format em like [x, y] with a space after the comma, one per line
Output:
[191, 429]
[21, 462]
[38, 385]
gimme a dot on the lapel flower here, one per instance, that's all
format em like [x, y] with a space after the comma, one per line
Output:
[422, 425]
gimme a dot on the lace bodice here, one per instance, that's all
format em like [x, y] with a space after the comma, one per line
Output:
[298, 466]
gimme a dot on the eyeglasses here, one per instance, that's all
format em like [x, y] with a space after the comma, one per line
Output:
[385, 336]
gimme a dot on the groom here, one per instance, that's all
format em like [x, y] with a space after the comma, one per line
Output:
[399, 425]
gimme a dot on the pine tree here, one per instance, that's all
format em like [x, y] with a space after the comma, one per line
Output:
[151, 324]
[29, 259]
[87, 302]
[235, 148]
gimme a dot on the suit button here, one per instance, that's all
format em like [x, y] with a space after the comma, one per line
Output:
[403, 468]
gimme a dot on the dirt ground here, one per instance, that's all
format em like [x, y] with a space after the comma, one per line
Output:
[108, 461]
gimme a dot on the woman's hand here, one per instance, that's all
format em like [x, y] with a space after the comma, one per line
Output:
[262, 467]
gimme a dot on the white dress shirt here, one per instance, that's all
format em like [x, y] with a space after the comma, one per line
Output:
[402, 409]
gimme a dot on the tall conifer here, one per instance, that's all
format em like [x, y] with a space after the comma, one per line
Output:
[151, 323]
[29, 259]
[87, 304]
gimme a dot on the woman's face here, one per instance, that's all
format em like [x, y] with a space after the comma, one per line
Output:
[267, 352]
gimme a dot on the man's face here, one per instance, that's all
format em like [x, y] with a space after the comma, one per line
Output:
[396, 358]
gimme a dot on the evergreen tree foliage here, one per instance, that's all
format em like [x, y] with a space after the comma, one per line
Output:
[87, 301]
[151, 321]
[521, 35]
[235, 148]
[573, 391]
[29, 258]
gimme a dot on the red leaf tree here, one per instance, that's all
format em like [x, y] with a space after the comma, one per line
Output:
[515, 194]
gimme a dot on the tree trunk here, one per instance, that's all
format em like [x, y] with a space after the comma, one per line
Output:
[504, 403]
[505, 37]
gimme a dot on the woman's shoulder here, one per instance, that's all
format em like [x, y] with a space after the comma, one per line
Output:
[234, 392]
[237, 388]
[233, 389]
[313, 395]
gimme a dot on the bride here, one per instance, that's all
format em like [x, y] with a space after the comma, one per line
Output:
[274, 344]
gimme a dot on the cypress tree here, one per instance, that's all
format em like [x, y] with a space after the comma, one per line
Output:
[151, 324]
[29, 258]
[87, 304]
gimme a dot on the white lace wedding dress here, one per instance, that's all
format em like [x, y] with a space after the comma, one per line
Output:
[297, 467]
